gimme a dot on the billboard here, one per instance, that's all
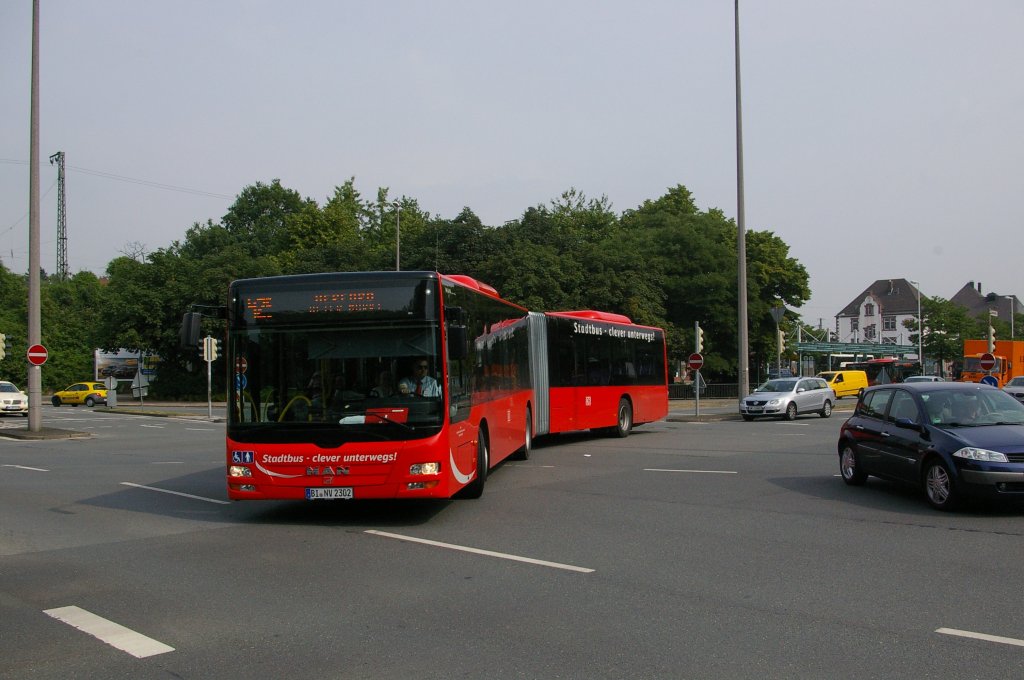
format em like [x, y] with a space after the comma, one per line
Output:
[123, 364]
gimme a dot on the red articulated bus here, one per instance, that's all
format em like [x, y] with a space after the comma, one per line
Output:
[886, 370]
[415, 384]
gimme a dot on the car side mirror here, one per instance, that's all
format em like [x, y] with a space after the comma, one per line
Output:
[908, 424]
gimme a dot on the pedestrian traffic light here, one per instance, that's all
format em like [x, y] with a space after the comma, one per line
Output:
[209, 348]
[699, 345]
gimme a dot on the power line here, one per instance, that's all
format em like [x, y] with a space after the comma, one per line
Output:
[155, 185]
[131, 180]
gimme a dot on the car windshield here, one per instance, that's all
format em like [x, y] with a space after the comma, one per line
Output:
[1016, 382]
[8, 387]
[779, 385]
[970, 408]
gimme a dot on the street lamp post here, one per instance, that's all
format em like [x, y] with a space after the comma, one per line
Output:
[743, 360]
[920, 327]
[1010, 298]
[398, 235]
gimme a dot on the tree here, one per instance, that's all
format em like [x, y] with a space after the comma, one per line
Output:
[259, 216]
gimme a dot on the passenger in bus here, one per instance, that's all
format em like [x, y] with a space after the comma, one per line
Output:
[420, 383]
[384, 386]
[343, 393]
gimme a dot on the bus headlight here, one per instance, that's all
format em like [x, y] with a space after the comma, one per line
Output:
[239, 471]
[425, 469]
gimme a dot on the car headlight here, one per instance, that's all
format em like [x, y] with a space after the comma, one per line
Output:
[774, 402]
[972, 453]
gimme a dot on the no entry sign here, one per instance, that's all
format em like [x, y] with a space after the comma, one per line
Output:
[37, 355]
[695, 361]
[987, 361]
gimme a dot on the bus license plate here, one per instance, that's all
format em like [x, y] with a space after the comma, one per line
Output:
[329, 492]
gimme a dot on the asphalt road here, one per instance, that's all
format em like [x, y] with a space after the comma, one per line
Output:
[716, 549]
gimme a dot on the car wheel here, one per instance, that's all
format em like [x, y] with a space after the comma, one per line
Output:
[747, 418]
[90, 402]
[475, 489]
[826, 410]
[791, 411]
[849, 467]
[55, 401]
[939, 486]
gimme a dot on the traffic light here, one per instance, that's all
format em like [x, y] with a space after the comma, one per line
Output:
[782, 341]
[3, 345]
[991, 338]
[699, 345]
[218, 348]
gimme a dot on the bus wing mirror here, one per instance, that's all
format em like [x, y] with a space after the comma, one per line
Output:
[457, 346]
[191, 324]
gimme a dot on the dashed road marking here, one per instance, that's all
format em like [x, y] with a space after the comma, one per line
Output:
[114, 634]
[175, 493]
[478, 551]
[981, 636]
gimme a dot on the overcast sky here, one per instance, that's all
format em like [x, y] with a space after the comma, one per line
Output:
[882, 138]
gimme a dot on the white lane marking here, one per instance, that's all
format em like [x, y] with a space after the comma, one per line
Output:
[981, 636]
[168, 462]
[200, 429]
[478, 551]
[25, 467]
[114, 634]
[710, 472]
[175, 493]
[155, 427]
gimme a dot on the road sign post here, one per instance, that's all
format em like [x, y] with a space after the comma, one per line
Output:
[694, 362]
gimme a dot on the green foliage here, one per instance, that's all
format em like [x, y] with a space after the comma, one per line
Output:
[665, 263]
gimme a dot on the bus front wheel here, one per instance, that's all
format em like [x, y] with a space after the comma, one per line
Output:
[475, 489]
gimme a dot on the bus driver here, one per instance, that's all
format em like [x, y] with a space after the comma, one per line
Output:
[420, 384]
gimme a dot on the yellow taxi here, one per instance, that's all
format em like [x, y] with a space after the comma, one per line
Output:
[88, 393]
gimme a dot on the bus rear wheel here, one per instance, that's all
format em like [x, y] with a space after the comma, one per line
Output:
[624, 419]
[524, 452]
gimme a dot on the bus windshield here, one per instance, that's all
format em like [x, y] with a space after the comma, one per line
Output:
[384, 379]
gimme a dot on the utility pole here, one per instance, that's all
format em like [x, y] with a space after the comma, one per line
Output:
[35, 420]
[62, 224]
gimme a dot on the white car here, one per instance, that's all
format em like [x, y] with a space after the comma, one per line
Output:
[924, 378]
[12, 400]
[788, 398]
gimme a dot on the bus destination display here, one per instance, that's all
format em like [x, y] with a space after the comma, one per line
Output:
[268, 306]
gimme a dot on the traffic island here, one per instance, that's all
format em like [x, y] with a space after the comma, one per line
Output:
[43, 433]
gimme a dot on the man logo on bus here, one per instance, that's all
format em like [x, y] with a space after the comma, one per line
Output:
[318, 472]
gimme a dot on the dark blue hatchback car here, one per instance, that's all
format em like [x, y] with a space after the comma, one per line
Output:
[952, 439]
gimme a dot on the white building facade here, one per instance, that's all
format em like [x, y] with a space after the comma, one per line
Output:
[879, 315]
